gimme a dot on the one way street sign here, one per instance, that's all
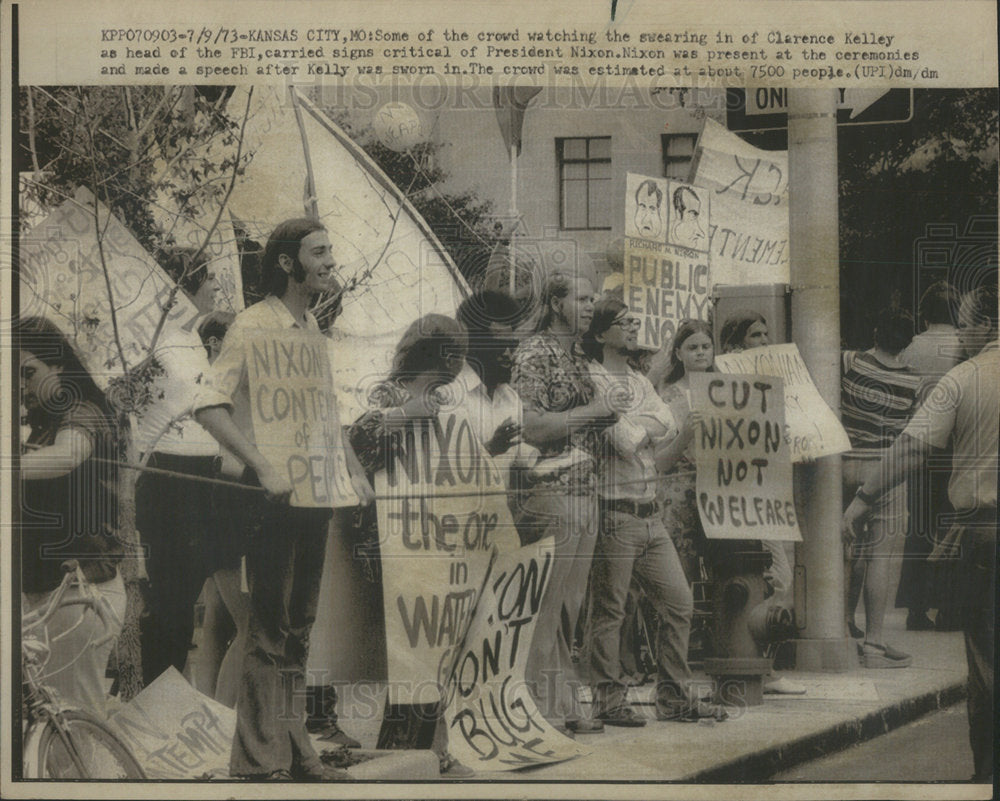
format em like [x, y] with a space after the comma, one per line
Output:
[766, 108]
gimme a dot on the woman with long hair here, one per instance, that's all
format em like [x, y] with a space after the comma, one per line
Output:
[691, 351]
[430, 355]
[562, 416]
[69, 506]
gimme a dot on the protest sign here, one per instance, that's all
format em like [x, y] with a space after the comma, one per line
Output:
[62, 277]
[744, 481]
[665, 283]
[748, 232]
[295, 421]
[812, 426]
[176, 732]
[493, 722]
[442, 510]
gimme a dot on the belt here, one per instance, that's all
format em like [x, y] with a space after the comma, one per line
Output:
[629, 507]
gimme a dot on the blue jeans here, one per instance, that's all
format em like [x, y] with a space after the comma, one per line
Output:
[630, 546]
[284, 569]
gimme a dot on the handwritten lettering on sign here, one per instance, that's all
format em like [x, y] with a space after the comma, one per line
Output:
[744, 481]
[748, 233]
[442, 513]
[176, 732]
[813, 427]
[295, 420]
[492, 720]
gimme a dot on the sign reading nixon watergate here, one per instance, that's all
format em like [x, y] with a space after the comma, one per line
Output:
[766, 108]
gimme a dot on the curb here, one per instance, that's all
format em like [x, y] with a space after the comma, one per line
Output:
[761, 765]
[412, 765]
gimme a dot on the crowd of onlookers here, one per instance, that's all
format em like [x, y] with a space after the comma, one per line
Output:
[598, 455]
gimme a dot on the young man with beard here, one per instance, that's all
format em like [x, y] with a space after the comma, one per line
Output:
[287, 544]
[632, 540]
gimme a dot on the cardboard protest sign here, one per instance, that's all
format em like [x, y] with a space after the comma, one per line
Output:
[812, 426]
[62, 278]
[666, 260]
[295, 421]
[176, 732]
[442, 510]
[493, 723]
[744, 481]
[748, 233]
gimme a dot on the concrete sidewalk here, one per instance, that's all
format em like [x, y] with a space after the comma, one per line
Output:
[839, 710]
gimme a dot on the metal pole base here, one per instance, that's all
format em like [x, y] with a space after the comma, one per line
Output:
[830, 655]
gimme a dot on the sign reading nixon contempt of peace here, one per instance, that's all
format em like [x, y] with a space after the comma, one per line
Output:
[666, 258]
[295, 422]
[744, 481]
[812, 426]
[442, 511]
[493, 722]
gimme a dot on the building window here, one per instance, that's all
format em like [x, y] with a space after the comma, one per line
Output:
[585, 197]
[678, 152]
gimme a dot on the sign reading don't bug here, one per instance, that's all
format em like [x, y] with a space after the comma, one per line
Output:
[295, 420]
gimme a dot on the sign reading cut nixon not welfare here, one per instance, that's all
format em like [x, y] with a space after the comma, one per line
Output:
[295, 420]
[744, 482]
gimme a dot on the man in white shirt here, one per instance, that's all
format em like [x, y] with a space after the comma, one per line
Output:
[632, 542]
[285, 554]
[964, 407]
[173, 513]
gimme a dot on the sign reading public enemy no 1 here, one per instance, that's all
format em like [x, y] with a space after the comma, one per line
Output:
[442, 513]
[666, 255]
[744, 467]
[295, 422]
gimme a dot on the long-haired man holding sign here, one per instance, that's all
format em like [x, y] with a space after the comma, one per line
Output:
[286, 548]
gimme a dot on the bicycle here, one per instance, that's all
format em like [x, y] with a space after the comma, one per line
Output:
[60, 741]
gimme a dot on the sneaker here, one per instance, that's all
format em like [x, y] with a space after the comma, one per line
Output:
[451, 768]
[623, 716]
[783, 686]
[584, 726]
[332, 733]
[883, 656]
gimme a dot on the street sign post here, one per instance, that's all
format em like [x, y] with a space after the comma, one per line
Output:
[766, 108]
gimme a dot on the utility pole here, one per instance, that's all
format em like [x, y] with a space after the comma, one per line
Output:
[815, 278]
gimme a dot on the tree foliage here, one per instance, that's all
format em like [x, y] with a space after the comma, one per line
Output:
[918, 203]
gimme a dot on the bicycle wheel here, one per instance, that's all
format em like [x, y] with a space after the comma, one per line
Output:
[99, 753]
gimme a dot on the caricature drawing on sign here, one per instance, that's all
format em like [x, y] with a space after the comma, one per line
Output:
[645, 207]
[686, 229]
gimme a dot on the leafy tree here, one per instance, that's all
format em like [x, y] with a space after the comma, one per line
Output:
[918, 203]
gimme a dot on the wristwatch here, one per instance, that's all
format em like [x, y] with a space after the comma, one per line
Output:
[864, 497]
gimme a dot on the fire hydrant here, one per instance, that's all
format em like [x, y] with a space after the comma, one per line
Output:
[744, 622]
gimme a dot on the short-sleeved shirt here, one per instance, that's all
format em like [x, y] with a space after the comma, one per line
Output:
[550, 379]
[876, 400]
[626, 468]
[965, 405]
[227, 382]
[166, 425]
[74, 516]
[933, 352]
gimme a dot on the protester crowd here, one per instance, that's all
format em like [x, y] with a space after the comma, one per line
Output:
[597, 455]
